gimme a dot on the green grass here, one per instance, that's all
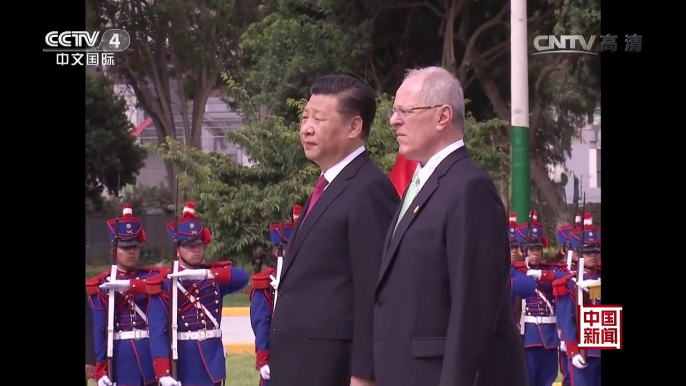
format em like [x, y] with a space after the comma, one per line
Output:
[240, 371]
[239, 299]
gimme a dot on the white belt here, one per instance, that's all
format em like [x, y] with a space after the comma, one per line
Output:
[200, 335]
[135, 334]
[540, 319]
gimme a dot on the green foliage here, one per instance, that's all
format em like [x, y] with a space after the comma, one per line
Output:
[297, 42]
[112, 157]
[239, 202]
[301, 39]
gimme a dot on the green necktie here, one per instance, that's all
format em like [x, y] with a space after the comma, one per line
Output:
[409, 197]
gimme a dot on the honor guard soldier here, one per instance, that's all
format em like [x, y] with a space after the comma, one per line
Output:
[262, 297]
[520, 283]
[537, 323]
[193, 296]
[515, 249]
[563, 233]
[585, 369]
[120, 323]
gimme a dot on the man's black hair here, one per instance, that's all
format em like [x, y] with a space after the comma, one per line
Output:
[354, 97]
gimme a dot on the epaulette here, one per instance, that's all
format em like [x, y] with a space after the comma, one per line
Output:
[559, 266]
[152, 269]
[220, 264]
[520, 265]
[153, 284]
[93, 284]
[560, 285]
[261, 280]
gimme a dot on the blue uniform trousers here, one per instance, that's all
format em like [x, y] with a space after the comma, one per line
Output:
[589, 376]
[541, 364]
[564, 368]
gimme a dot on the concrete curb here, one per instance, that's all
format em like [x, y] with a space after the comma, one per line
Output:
[240, 348]
[236, 311]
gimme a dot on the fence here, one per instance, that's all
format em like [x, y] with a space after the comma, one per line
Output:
[98, 239]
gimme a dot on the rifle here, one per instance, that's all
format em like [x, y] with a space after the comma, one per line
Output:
[174, 309]
[580, 264]
[529, 227]
[580, 271]
[568, 244]
[110, 306]
[279, 261]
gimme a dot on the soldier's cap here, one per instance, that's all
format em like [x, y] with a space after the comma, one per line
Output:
[591, 235]
[538, 237]
[189, 229]
[126, 231]
[512, 230]
[297, 209]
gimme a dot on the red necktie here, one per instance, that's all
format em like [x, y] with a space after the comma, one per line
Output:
[318, 190]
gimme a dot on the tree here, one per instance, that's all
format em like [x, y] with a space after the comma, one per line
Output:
[238, 203]
[296, 42]
[112, 157]
[178, 49]
[470, 38]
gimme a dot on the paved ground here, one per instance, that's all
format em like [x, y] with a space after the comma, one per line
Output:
[237, 330]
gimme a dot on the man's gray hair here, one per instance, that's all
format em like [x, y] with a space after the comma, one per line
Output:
[441, 87]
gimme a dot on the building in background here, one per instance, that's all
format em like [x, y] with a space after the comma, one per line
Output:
[583, 165]
[218, 119]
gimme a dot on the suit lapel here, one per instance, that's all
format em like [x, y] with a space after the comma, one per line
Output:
[306, 223]
[394, 239]
[389, 234]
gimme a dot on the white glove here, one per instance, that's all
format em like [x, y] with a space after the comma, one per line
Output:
[193, 274]
[264, 372]
[104, 381]
[169, 381]
[117, 285]
[535, 273]
[274, 283]
[563, 346]
[585, 283]
[579, 362]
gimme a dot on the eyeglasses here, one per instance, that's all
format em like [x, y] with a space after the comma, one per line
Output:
[405, 112]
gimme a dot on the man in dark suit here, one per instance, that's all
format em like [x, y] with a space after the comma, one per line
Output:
[322, 323]
[90, 348]
[442, 315]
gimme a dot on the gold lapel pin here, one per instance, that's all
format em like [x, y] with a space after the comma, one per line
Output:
[416, 209]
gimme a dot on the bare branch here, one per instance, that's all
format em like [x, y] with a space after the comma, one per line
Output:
[469, 51]
[540, 100]
[492, 54]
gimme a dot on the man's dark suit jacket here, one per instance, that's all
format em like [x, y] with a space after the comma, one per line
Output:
[442, 314]
[322, 325]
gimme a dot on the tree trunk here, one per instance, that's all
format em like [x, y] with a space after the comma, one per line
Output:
[177, 193]
[539, 172]
[550, 192]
